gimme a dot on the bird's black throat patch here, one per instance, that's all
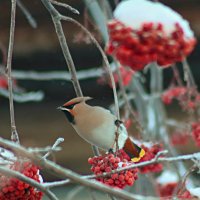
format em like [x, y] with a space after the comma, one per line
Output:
[69, 116]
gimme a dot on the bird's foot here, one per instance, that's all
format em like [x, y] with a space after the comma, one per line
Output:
[118, 122]
[111, 151]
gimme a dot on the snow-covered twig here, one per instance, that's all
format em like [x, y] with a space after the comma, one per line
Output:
[58, 75]
[57, 142]
[23, 97]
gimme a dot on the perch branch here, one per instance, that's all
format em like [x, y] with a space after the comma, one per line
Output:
[65, 173]
[14, 134]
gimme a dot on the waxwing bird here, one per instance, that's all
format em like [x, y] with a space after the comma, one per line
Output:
[99, 127]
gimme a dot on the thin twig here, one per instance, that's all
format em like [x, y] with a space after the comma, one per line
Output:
[44, 149]
[22, 177]
[127, 102]
[14, 134]
[103, 56]
[75, 11]
[181, 186]
[27, 14]
[64, 46]
[56, 17]
[57, 142]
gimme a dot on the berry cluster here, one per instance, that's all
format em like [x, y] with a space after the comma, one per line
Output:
[3, 82]
[151, 152]
[137, 48]
[109, 162]
[14, 189]
[126, 74]
[189, 99]
[167, 190]
[173, 93]
[196, 132]
[179, 138]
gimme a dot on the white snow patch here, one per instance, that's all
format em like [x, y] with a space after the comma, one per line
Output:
[195, 191]
[6, 156]
[167, 177]
[134, 13]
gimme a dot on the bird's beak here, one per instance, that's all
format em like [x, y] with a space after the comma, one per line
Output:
[63, 109]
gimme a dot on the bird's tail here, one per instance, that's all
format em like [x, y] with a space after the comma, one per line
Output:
[133, 150]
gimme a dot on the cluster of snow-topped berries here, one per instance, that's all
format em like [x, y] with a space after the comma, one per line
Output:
[196, 132]
[126, 74]
[167, 190]
[189, 99]
[110, 162]
[150, 153]
[138, 47]
[14, 189]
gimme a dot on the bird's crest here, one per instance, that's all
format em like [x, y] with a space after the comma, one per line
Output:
[76, 101]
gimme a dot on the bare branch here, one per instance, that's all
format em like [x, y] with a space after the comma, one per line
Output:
[14, 134]
[75, 11]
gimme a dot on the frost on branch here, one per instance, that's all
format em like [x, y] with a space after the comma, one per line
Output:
[143, 37]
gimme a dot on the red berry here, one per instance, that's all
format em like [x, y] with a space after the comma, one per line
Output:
[110, 162]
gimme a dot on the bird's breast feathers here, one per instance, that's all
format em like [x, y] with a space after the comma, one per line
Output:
[98, 128]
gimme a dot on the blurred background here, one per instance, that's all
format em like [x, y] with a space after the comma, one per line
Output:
[40, 123]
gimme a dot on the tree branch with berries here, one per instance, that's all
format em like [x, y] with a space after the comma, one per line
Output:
[135, 46]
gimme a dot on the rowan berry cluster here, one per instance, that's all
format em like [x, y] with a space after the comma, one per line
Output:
[14, 189]
[110, 162]
[3, 82]
[173, 93]
[137, 48]
[189, 99]
[167, 190]
[150, 153]
[196, 132]
[126, 74]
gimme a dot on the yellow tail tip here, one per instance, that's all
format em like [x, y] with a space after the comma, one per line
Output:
[136, 159]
